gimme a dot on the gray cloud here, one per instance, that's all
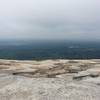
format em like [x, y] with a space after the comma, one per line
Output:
[50, 19]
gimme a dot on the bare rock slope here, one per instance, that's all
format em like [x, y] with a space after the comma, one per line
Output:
[50, 80]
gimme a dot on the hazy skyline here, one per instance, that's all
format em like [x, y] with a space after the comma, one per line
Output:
[50, 19]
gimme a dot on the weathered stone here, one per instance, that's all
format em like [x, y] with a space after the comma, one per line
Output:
[50, 80]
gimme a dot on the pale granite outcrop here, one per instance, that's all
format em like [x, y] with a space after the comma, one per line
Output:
[50, 80]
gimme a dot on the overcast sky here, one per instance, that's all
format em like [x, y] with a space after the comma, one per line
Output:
[50, 19]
